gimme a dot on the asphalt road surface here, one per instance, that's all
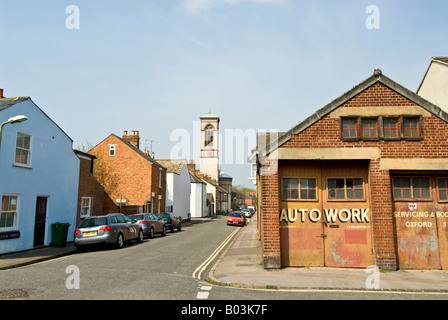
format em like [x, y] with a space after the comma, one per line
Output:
[157, 269]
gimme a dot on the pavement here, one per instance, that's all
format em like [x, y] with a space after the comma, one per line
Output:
[240, 266]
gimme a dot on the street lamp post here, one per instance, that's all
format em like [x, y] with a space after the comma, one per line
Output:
[12, 120]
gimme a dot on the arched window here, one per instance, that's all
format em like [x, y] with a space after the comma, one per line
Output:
[208, 134]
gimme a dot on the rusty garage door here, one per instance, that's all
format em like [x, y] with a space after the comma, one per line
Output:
[421, 220]
[324, 214]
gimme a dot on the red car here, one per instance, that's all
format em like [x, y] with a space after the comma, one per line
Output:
[236, 219]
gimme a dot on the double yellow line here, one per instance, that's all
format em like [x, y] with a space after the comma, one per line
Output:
[197, 273]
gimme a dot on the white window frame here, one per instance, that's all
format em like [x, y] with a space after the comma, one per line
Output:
[30, 151]
[160, 178]
[112, 150]
[89, 207]
[16, 215]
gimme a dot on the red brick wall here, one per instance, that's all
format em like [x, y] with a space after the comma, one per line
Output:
[325, 133]
[101, 203]
[135, 176]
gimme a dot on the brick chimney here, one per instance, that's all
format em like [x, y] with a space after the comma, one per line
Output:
[133, 138]
[191, 166]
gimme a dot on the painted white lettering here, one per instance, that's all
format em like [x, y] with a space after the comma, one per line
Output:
[347, 215]
[330, 215]
[356, 215]
[364, 217]
[292, 218]
[283, 216]
[317, 217]
[302, 214]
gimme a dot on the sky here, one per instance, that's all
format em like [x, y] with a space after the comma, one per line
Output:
[98, 67]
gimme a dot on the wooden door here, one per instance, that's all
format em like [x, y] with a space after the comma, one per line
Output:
[346, 214]
[301, 239]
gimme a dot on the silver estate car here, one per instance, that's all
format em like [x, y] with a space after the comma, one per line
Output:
[113, 229]
[150, 224]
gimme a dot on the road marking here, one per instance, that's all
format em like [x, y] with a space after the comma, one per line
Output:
[202, 295]
[197, 273]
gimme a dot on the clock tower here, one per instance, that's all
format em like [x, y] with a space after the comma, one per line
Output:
[209, 159]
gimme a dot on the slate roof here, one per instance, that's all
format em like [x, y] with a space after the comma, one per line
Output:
[377, 77]
[173, 166]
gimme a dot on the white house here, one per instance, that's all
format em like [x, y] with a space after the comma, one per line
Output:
[434, 86]
[198, 200]
[177, 187]
[39, 176]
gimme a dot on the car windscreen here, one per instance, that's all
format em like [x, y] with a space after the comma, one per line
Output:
[94, 222]
[235, 214]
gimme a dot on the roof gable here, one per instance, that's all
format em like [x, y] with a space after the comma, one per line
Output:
[134, 148]
[377, 77]
[10, 102]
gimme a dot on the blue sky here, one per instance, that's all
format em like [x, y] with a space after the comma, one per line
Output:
[158, 65]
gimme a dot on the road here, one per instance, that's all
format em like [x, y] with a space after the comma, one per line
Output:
[157, 269]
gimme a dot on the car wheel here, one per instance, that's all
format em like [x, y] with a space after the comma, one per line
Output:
[141, 237]
[164, 231]
[120, 241]
[151, 233]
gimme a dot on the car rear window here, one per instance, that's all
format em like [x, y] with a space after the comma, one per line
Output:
[235, 214]
[94, 222]
[138, 217]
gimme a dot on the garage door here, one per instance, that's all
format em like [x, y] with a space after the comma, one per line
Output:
[324, 214]
[421, 221]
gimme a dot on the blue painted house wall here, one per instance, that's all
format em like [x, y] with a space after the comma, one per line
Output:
[54, 173]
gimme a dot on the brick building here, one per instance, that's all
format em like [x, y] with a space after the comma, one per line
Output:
[362, 181]
[92, 198]
[133, 177]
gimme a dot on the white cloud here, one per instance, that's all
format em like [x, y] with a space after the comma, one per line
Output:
[197, 6]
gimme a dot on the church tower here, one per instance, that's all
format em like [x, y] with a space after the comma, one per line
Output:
[209, 160]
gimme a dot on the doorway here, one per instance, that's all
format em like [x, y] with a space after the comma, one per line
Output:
[40, 221]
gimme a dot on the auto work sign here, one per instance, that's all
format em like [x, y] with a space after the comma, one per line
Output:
[330, 215]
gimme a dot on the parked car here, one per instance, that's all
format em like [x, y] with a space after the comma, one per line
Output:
[236, 218]
[113, 229]
[246, 213]
[150, 224]
[171, 222]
